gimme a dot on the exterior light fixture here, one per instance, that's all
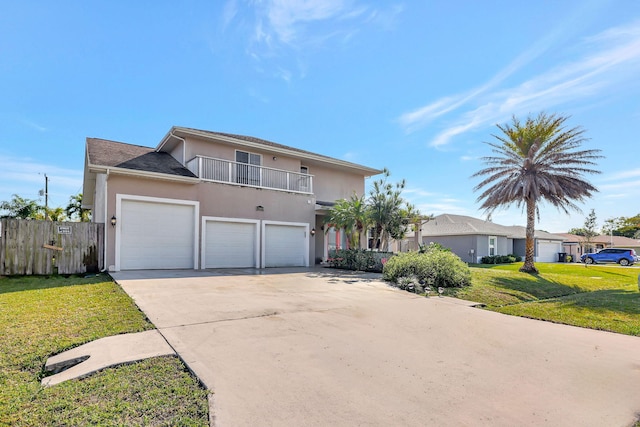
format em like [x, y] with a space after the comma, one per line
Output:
[260, 208]
[113, 221]
[313, 231]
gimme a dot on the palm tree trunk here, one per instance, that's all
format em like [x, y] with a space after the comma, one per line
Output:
[528, 266]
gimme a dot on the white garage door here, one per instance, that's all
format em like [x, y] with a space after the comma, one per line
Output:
[230, 244]
[156, 235]
[548, 251]
[285, 245]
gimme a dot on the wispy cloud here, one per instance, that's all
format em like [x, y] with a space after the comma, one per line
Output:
[282, 28]
[287, 18]
[623, 175]
[33, 125]
[25, 177]
[418, 192]
[414, 120]
[610, 59]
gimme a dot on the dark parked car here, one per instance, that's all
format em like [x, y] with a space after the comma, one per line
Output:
[622, 256]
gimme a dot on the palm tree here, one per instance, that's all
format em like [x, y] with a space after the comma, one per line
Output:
[75, 210]
[351, 216]
[536, 161]
[385, 210]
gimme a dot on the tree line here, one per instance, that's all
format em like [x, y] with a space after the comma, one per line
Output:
[23, 208]
[617, 226]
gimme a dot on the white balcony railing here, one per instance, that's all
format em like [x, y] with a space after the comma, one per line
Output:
[218, 170]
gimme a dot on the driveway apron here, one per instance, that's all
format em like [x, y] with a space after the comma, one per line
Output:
[319, 348]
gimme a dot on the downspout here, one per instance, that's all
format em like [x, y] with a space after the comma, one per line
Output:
[106, 210]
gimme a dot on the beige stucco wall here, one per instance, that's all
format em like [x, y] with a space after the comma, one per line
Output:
[218, 200]
[329, 183]
[201, 147]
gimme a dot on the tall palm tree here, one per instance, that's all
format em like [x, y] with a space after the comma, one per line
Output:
[536, 161]
[385, 204]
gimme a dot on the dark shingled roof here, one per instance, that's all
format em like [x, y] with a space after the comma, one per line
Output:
[106, 153]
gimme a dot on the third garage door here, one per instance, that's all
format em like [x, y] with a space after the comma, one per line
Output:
[286, 245]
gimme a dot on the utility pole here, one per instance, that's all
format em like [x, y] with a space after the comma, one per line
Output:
[46, 197]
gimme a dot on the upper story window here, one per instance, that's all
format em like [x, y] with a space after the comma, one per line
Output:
[248, 172]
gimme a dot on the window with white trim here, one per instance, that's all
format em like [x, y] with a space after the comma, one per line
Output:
[248, 168]
[492, 245]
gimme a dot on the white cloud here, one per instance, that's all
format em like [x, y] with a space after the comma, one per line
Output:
[417, 192]
[25, 177]
[229, 12]
[33, 125]
[611, 59]
[286, 16]
[623, 175]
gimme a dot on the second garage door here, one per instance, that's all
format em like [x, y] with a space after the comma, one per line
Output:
[230, 243]
[286, 245]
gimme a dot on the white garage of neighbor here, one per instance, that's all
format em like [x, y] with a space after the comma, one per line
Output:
[230, 242]
[285, 244]
[155, 233]
[547, 250]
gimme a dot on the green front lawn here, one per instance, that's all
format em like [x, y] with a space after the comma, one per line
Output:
[596, 297]
[41, 316]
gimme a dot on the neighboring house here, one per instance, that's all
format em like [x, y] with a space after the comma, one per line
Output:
[576, 245]
[205, 199]
[472, 238]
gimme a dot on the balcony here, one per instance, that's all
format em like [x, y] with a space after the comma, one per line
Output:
[228, 172]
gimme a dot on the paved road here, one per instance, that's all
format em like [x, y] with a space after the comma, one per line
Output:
[311, 348]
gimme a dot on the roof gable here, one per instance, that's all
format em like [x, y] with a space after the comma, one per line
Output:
[112, 154]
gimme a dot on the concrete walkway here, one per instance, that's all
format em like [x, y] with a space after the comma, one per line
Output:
[86, 359]
[314, 348]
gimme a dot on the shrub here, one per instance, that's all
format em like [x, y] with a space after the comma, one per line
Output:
[433, 246]
[358, 259]
[500, 259]
[434, 268]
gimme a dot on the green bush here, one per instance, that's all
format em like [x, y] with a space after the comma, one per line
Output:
[433, 246]
[500, 259]
[358, 259]
[437, 268]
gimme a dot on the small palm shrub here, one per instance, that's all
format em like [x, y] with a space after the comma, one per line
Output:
[437, 268]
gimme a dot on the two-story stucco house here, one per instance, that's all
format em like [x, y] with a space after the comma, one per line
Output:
[205, 199]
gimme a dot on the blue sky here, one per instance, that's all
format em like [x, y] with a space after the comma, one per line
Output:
[414, 86]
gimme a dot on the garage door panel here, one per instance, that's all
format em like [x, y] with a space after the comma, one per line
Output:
[285, 246]
[230, 244]
[156, 235]
[548, 251]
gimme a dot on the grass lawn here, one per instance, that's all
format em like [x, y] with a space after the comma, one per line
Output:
[601, 297]
[41, 316]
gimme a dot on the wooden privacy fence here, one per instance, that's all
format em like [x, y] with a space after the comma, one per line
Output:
[45, 247]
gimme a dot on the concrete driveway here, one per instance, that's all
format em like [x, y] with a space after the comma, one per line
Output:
[313, 347]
